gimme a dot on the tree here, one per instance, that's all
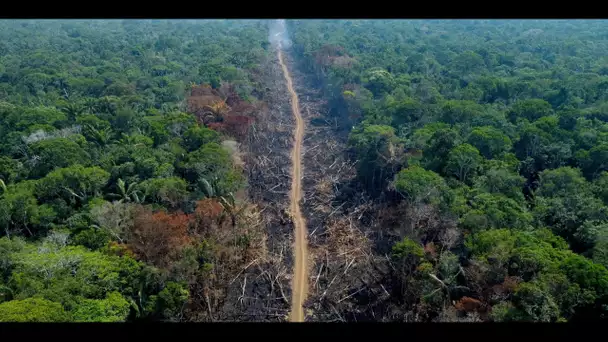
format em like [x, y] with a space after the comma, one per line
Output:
[531, 109]
[21, 212]
[172, 191]
[115, 218]
[213, 163]
[114, 308]
[557, 283]
[501, 180]
[600, 249]
[419, 185]
[490, 142]
[32, 310]
[128, 193]
[407, 111]
[95, 129]
[196, 137]
[598, 160]
[464, 161]
[565, 203]
[72, 184]
[441, 142]
[10, 169]
[534, 305]
[23, 117]
[563, 181]
[379, 81]
[50, 154]
[468, 62]
[169, 302]
[409, 252]
[496, 211]
[67, 274]
[456, 111]
[377, 149]
[158, 238]
[600, 187]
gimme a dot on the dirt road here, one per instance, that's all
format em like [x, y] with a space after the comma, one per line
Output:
[300, 278]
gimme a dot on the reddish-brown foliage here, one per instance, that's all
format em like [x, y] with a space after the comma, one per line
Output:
[208, 208]
[201, 96]
[158, 238]
[237, 125]
[221, 109]
[468, 304]
[207, 217]
[431, 250]
[242, 108]
[228, 92]
[217, 126]
[507, 287]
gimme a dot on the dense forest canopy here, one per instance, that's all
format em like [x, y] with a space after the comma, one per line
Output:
[497, 126]
[483, 145]
[105, 178]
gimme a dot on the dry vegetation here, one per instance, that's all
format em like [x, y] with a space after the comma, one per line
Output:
[252, 259]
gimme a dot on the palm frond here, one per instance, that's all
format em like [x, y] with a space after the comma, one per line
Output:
[207, 188]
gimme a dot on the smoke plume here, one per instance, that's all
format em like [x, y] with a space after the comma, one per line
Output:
[277, 34]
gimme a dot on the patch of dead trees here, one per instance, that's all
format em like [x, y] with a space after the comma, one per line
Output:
[221, 109]
[207, 248]
[333, 55]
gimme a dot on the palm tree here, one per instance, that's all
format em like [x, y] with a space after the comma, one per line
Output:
[72, 110]
[128, 193]
[231, 207]
[206, 187]
[228, 202]
[101, 136]
[90, 105]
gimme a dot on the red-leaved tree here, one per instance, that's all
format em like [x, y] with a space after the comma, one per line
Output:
[158, 238]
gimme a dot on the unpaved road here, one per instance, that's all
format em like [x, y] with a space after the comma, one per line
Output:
[300, 279]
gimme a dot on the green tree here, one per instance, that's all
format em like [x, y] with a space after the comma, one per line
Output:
[439, 145]
[531, 109]
[72, 184]
[172, 191]
[496, 211]
[32, 310]
[169, 303]
[464, 161]
[21, 212]
[379, 81]
[10, 169]
[489, 141]
[419, 185]
[55, 153]
[377, 150]
[565, 203]
[501, 180]
[456, 111]
[195, 137]
[67, 274]
[534, 304]
[114, 308]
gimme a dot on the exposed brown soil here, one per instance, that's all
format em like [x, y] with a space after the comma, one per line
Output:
[300, 280]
